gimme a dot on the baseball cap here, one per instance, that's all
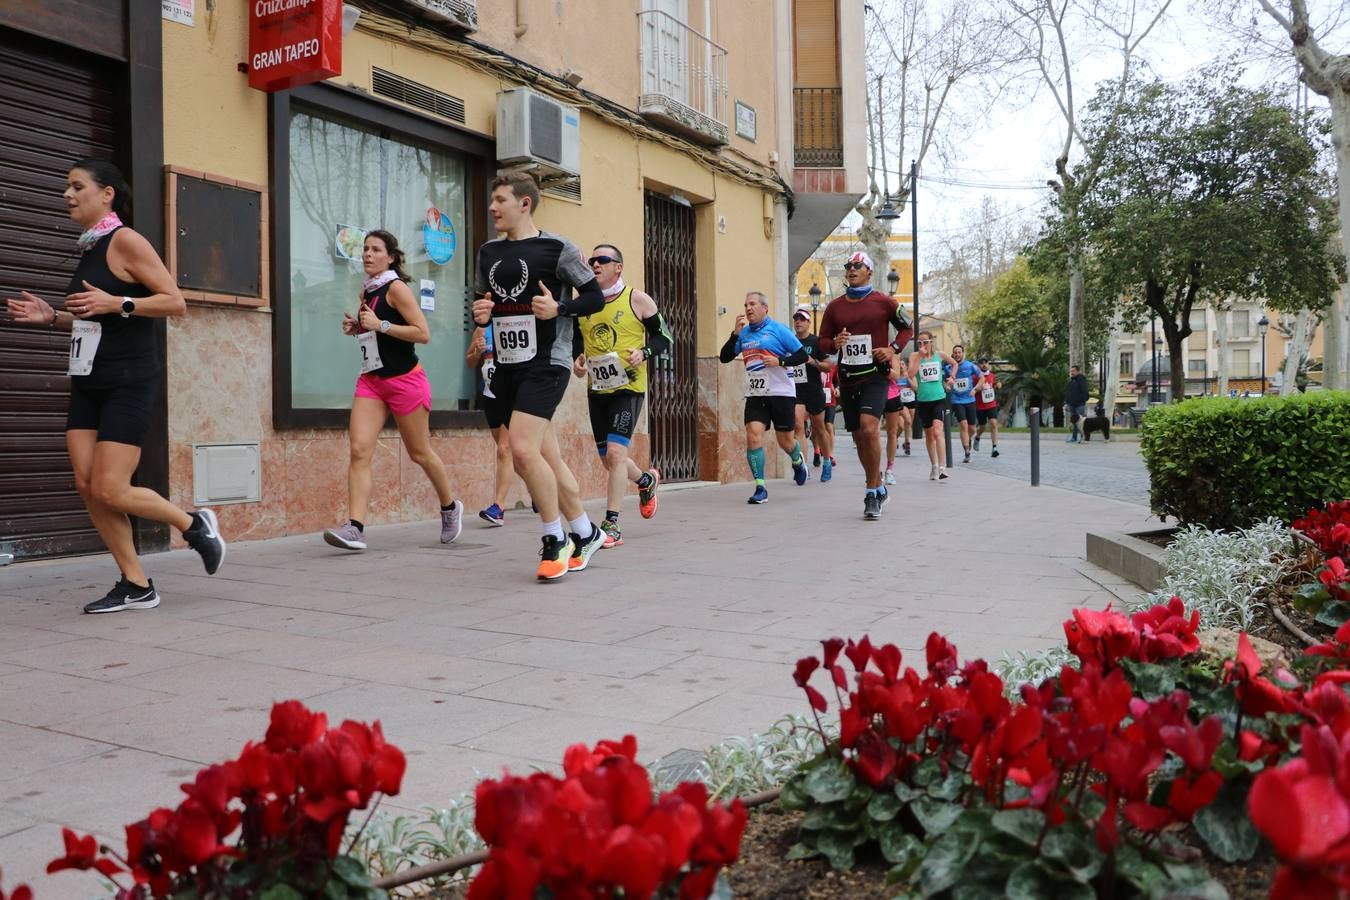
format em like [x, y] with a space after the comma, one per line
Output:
[861, 257]
[803, 311]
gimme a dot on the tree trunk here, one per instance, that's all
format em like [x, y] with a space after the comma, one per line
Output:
[1294, 351]
[1077, 312]
[1178, 375]
[1112, 365]
[1336, 337]
[1223, 364]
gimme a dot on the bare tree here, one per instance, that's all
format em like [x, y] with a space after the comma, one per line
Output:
[1051, 31]
[983, 247]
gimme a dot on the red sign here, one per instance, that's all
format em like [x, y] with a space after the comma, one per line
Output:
[293, 42]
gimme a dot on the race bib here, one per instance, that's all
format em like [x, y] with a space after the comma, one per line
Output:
[515, 339]
[489, 367]
[798, 374]
[857, 350]
[961, 385]
[759, 385]
[607, 372]
[987, 395]
[930, 371]
[84, 338]
[370, 351]
[906, 395]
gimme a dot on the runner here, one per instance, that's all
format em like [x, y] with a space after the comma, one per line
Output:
[986, 406]
[925, 370]
[616, 343]
[827, 377]
[811, 393]
[966, 380]
[858, 324]
[768, 349]
[118, 288]
[479, 357]
[900, 404]
[388, 323]
[533, 350]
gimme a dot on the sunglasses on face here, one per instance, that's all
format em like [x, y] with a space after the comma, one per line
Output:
[849, 267]
[924, 341]
[602, 260]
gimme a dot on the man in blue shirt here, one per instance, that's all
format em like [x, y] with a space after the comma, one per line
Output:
[966, 378]
[769, 350]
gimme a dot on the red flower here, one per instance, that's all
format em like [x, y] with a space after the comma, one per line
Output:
[82, 853]
[832, 647]
[509, 874]
[293, 726]
[805, 666]
[1165, 632]
[941, 657]
[1187, 797]
[874, 759]
[20, 892]
[1258, 696]
[860, 653]
[1104, 637]
[887, 657]
[1336, 578]
[1195, 746]
[1300, 812]
[633, 861]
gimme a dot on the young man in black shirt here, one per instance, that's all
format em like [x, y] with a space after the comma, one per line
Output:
[525, 287]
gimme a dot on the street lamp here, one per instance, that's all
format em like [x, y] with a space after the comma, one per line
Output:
[893, 279]
[1157, 342]
[1262, 324]
[815, 303]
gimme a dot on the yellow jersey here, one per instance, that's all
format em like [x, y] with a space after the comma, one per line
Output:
[607, 337]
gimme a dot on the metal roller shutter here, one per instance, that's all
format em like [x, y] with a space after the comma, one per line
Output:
[56, 106]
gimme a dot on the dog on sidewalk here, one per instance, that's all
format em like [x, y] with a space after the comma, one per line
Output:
[1097, 423]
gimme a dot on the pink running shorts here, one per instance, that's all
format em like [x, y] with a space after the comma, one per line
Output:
[401, 393]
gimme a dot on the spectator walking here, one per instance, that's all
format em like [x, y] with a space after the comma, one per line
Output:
[1076, 398]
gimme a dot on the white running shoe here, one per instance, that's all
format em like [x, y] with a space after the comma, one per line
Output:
[890, 476]
[933, 473]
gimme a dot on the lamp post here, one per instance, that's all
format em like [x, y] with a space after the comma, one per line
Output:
[1157, 342]
[1262, 324]
[815, 304]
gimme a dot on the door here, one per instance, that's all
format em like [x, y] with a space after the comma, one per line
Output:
[56, 105]
[673, 392]
[665, 49]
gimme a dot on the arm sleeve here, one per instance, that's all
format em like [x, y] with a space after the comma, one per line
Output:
[480, 279]
[659, 339]
[572, 270]
[729, 349]
[796, 357]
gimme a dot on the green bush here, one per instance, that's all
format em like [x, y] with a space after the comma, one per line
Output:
[1225, 463]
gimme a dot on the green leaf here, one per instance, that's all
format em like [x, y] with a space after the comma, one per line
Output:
[1150, 680]
[1225, 826]
[335, 889]
[802, 850]
[907, 793]
[943, 863]
[883, 807]
[1334, 614]
[794, 794]
[927, 772]
[829, 782]
[948, 788]
[898, 846]
[1072, 848]
[1311, 597]
[936, 816]
[280, 892]
[1024, 824]
[1031, 882]
[721, 888]
[242, 874]
[829, 815]
[977, 892]
[351, 871]
[837, 846]
[1138, 871]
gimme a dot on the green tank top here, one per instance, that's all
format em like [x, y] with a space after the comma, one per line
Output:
[930, 380]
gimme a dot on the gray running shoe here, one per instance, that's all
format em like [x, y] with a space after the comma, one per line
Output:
[871, 507]
[346, 536]
[452, 522]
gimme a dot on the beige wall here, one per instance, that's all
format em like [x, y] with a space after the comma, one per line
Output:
[214, 123]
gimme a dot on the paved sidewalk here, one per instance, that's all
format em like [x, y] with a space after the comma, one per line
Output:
[685, 634]
[1112, 469]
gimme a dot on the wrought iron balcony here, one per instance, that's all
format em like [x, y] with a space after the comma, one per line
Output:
[684, 78]
[819, 137]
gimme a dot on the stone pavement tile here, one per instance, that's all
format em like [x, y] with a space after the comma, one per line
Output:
[24, 855]
[689, 616]
[644, 699]
[97, 658]
[765, 648]
[131, 629]
[416, 668]
[238, 682]
[438, 774]
[917, 624]
[427, 716]
[601, 601]
[547, 735]
[293, 621]
[21, 637]
[11, 821]
[993, 646]
[180, 727]
[102, 792]
[41, 698]
[837, 619]
[314, 598]
[410, 635]
[722, 674]
[27, 749]
[201, 607]
[414, 609]
[566, 627]
[576, 656]
[44, 612]
[736, 713]
[272, 648]
[7, 669]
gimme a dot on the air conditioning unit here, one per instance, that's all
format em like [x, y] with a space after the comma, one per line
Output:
[538, 133]
[461, 13]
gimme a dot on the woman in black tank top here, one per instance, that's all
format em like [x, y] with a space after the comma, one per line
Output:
[388, 323]
[119, 285]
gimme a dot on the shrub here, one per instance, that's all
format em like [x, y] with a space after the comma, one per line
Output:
[1226, 463]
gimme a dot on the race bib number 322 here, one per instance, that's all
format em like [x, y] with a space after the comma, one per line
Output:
[759, 385]
[515, 339]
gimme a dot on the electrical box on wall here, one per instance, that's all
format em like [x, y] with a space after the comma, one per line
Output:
[538, 132]
[226, 473]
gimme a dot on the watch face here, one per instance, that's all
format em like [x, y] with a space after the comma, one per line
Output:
[128, 306]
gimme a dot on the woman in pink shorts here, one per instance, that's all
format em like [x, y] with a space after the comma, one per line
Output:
[387, 325]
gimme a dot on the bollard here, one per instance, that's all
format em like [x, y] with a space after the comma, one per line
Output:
[1034, 419]
[947, 433]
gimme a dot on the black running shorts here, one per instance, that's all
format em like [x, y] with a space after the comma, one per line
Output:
[863, 398]
[829, 414]
[120, 414]
[492, 409]
[812, 396]
[963, 412]
[780, 412]
[614, 416]
[987, 415]
[532, 389]
[930, 411]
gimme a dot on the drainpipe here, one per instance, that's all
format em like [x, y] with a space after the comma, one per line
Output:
[522, 26]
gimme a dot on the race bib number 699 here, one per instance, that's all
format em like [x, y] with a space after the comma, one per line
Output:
[515, 339]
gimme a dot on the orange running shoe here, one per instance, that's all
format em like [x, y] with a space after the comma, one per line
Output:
[553, 558]
[647, 495]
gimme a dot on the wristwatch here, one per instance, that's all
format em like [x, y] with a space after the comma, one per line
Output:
[128, 307]
[562, 308]
[385, 325]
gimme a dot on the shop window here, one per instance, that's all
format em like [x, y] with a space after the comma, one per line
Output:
[1127, 363]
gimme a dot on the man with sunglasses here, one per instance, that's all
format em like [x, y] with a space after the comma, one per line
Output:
[857, 324]
[616, 344]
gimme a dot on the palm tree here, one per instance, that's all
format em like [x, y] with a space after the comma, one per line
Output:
[1040, 376]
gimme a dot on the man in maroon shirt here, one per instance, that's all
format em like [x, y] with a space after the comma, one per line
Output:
[857, 324]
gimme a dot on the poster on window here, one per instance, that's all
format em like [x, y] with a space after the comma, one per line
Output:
[348, 242]
[180, 11]
[438, 236]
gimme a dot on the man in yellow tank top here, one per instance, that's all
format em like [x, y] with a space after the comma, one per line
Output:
[616, 344]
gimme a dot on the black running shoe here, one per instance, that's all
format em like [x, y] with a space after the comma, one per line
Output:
[871, 507]
[204, 537]
[815, 460]
[125, 595]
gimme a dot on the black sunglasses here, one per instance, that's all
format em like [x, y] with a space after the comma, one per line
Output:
[849, 266]
[602, 260]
